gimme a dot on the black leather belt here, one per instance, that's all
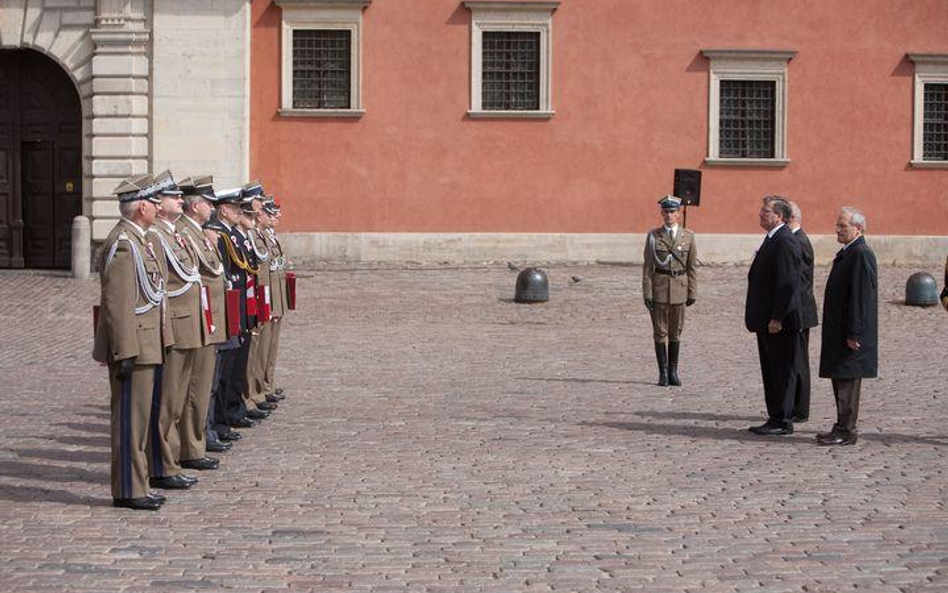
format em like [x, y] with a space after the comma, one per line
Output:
[672, 273]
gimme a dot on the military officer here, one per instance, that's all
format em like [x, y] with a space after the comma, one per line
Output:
[198, 206]
[129, 338]
[184, 307]
[267, 220]
[239, 271]
[259, 345]
[669, 284]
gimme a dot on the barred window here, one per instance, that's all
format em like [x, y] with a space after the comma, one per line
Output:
[935, 123]
[511, 70]
[322, 69]
[747, 119]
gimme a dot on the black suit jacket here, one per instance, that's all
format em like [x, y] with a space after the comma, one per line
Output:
[807, 300]
[773, 284]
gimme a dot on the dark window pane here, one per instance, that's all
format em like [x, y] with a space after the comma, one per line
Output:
[747, 115]
[321, 69]
[935, 123]
[510, 71]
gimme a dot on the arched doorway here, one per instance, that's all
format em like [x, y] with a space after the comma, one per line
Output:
[40, 161]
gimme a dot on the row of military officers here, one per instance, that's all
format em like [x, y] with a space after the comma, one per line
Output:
[194, 294]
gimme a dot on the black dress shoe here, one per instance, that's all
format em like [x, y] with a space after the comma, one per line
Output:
[799, 419]
[157, 496]
[266, 406]
[217, 447]
[257, 414]
[230, 436]
[829, 439]
[278, 392]
[772, 429]
[190, 479]
[178, 482]
[139, 504]
[202, 463]
[273, 399]
[242, 423]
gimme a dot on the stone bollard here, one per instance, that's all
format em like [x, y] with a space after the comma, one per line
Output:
[532, 286]
[81, 248]
[921, 290]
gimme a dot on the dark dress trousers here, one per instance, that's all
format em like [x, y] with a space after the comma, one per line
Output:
[850, 311]
[773, 292]
[230, 402]
[801, 398]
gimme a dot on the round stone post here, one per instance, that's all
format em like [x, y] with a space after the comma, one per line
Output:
[81, 248]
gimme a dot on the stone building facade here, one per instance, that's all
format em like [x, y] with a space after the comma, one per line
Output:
[159, 85]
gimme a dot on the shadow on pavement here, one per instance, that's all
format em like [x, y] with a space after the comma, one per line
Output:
[580, 380]
[85, 426]
[61, 455]
[83, 441]
[35, 494]
[51, 473]
[700, 416]
[697, 432]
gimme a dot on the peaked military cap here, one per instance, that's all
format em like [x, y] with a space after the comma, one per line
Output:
[164, 184]
[254, 189]
[214, 224]
[670, 202]
[229, 196]
[198, 185]
[246, 205]
[271, 207]
[137, 188]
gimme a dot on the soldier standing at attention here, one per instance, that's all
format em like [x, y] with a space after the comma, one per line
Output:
[266, 221]
[198, 206]
[129, 338]
[184, 306]
[669, 284]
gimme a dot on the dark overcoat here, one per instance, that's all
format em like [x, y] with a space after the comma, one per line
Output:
[773, 284]
[851, 310]
[807, 301]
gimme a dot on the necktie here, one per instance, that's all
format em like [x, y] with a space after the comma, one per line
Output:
[671, 236]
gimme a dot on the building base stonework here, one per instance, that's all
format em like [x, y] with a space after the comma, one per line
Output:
[305, 248]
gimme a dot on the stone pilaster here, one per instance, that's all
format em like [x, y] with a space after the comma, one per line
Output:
[120, 104]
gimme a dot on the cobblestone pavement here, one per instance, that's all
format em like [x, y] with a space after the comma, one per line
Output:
[438, 437]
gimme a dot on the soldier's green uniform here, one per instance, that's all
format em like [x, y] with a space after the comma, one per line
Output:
[669, 284]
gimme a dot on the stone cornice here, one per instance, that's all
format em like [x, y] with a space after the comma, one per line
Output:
[941, 59]
[749, 54]
[518, 6]
[322, 3]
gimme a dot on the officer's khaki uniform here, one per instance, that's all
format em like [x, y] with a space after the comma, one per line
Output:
[278, 299]
[130, 325]
[669, 278]
[184, 308]
[259, 343]
[191, 427]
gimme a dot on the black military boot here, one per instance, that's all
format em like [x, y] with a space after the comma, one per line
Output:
[662, 363]
[673, 348]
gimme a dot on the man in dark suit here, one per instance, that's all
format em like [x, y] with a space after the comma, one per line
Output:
[850, 349]
[801, 397]
[772, 311]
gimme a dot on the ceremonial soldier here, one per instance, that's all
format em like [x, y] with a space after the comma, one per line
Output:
[129, 338]
[669, 284]
[255, 397]
[239, 272]
[267, 220]
[184, 307]
[198, 207]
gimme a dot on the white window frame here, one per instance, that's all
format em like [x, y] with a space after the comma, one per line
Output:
[536, 17]
[929, 69]
[737, 64]
[321, 15]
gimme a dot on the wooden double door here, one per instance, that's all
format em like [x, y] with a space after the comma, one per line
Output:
[40, 161]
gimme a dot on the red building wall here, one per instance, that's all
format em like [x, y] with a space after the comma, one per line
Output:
[630, 91]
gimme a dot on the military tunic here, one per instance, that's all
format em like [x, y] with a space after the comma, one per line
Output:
[184, 306]
[130, 326]
[278, 297]
[669, 279]
[213, 331]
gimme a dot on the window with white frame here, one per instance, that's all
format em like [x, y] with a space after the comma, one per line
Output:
[747, 107]
[321, 59]
[511, 49]
[930, 114]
